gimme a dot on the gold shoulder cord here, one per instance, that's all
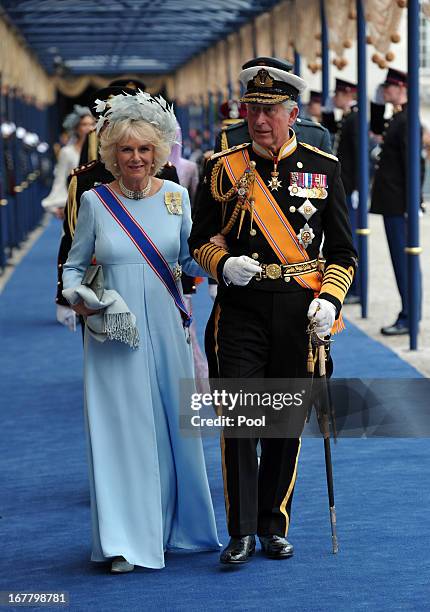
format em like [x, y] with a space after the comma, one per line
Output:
[72, 212]
[216, 190]
[92, 146]
[243, 189]
[216, 184]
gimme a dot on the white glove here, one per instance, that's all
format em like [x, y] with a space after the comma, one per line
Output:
[66, 316]
[212, 290]
[240, 270]
[355, 200]
[324, 313]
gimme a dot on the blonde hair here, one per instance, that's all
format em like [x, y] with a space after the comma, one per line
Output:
[117, 132]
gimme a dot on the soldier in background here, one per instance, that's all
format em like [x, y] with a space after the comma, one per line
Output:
[313, 108]
[344, 133]
[389, 190]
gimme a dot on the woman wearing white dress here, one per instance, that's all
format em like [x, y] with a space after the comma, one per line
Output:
[149, 488]
[79, 123]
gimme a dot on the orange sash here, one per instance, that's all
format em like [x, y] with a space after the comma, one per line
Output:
[272, 222]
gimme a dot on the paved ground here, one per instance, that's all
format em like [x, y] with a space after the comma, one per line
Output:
[384, 300]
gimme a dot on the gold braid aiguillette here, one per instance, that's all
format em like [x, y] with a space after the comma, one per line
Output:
[243, 190]
[216, 184]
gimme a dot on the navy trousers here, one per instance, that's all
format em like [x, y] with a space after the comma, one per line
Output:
[353, 219]
[396, 232]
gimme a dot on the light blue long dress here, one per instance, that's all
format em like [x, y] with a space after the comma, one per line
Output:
[149, 488]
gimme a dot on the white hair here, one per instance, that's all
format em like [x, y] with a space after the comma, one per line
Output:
[129, 128]
[289, 105]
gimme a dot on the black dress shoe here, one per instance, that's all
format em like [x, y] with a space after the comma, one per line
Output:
[400, 328]
[276, 547]
[238, 550]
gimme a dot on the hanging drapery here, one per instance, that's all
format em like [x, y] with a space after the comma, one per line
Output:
[246, 46]
[235, 62]
[75, 86]
[342, 25]
[383, 20]
[263, 33]
[20, 70]
[283, 30]
[221, 71]
[308, 30]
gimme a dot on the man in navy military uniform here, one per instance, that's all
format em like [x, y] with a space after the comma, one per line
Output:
[272, 198]
[389, 191]
[306, 130]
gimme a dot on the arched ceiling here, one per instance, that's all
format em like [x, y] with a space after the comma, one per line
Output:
[139, 36]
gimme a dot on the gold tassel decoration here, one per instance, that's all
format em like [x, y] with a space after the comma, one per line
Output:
[72, 207]
[310, 362]
[321, 360]
[92, 146]
[242, 215]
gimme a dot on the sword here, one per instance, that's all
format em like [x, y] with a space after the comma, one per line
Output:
[323, 408]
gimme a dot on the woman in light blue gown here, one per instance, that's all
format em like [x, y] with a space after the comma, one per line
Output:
[149, 488]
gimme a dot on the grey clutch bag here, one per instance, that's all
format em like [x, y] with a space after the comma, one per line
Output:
[93, 278]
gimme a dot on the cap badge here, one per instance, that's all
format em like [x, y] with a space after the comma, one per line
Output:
[263, 79]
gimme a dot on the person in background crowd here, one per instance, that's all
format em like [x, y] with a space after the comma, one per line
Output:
[187, 170]
[79, 123]
[63, 140]
[188, 174]
[389, 190]
[313, 107]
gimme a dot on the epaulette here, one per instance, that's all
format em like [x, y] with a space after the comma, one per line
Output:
[83, 168]
[316, 150]
[230, 150]
[309, 123]
[235, 125]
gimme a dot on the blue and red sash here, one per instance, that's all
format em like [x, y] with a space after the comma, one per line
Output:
[144, 245]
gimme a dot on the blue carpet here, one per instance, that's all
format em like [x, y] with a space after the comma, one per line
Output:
[381, 495]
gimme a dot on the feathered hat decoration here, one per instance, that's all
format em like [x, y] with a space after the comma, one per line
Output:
[139, 107]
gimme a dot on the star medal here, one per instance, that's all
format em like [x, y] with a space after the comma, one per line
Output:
[306, 235]
[307, 209]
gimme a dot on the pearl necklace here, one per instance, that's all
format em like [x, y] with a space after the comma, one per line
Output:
[135, 195]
